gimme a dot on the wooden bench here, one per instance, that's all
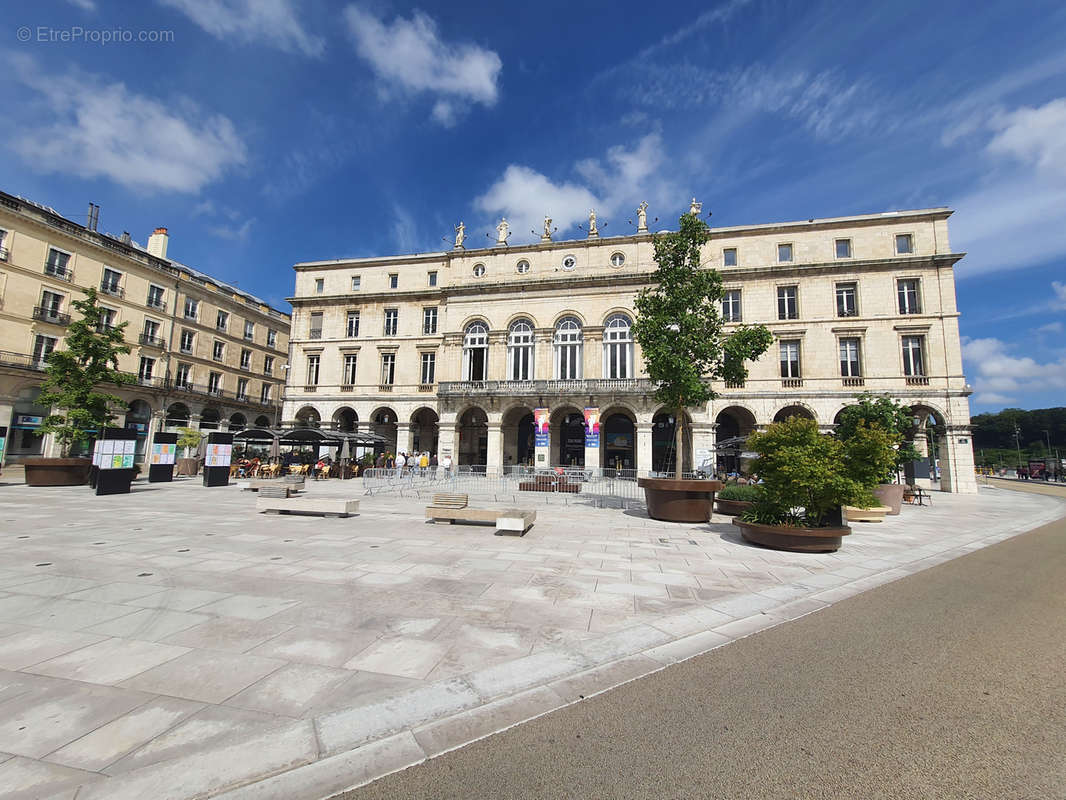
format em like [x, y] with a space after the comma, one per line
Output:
[453, 507]
[450, 500]
[875, 514]
[315, 506]
[260, 484]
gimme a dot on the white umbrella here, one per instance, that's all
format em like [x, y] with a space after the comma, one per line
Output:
[346, 452]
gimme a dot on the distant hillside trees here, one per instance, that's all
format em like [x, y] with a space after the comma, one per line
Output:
[993, 435]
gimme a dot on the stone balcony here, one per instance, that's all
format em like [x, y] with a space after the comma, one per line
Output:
[546, 387]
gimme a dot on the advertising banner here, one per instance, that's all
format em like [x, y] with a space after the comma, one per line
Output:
[218, 455]
[592, 427]
[540, 425]
[163, 453]
[114, 453]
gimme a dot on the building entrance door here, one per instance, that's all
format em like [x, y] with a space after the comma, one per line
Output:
[572, 441]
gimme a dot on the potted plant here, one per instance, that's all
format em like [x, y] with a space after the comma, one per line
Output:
[736, 498]
[806, 482]
[189, 441]
[681, 332]
[881, 412]
[79, 408]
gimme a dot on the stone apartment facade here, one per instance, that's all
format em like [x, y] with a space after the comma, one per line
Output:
[204, 354]
[452, 352]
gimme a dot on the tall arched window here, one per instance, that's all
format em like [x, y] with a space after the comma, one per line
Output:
[476, 352]
[520, 351]
[618, 347]
[568, 349]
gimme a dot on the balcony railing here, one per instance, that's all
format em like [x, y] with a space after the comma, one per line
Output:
[853, 381]
[314, 333]
[112, 289]
[151, 341]
[917, 380]
[3, 254]
[310, 387]
[56, 271]
[734, 384]
[791, 383]
[550, 387]
[156, 303]
[347, 387]
[426, 387]
[48, 314]
[385, 387]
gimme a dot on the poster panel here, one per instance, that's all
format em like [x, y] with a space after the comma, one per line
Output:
[540, 423]
[592, 427]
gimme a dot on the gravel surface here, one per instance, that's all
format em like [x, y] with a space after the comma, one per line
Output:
[946, 684]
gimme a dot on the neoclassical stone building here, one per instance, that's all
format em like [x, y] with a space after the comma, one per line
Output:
[459, 352]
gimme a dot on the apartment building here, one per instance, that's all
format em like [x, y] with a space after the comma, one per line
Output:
[203, 353]
[468, 353]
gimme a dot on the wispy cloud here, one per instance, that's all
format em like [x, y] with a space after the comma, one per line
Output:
[234, 233]
[84, 5]
[409, 55]
[276, 23]
[82, 125]
[1000, 377]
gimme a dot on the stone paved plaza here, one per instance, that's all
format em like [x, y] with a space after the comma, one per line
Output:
[172, 643]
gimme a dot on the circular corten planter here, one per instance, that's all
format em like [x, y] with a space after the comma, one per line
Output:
[187, 466]
[797, 540]
[671, 500]
[732, 508]
[57, 471]
[891, 495]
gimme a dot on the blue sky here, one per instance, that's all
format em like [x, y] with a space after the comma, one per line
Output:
[274, 131]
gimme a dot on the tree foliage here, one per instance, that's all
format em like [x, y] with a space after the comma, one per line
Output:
[880, 411]
[680, 329]
[805, 475]
[994, 434]
[73, 375]
[870, 454]
[189, 439]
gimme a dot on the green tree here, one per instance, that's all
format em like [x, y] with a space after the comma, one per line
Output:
[189, 439]
[680, 329]
[804, 474]
[880, 411]
[870, 455]
[90, 359]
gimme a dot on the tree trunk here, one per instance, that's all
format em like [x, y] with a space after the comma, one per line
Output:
[679, 440]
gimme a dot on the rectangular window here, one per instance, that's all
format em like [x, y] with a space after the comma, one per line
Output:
[315, 330]
[109, 284]
[432, 276]
[787, 303]
[57, 263]
[264, 394]
[192, 307]
[910, 301]
[145, 370]
[913, 359]
[729, 257]
[249, 329]
[214, 382]
[272, 338]
[151, 330]
[849, 359]
[187, 338]
[42, 346]
[429, 321]
[394, 280]
[242, 388]
[392, 319]
[320, 285]
[847, 300]
[731, 305]
[246, 359]
[843, 248]
[3, 245]
[107, 319]
[429, 367]
[219, 351]
[312, 370]
[388, 369]
[352, 328]
[350, 364]
[183, 376]
[155, 297]
[356, 283]
[784, 253]
[222, 320]
[904, 244]
[790, 358]
[268, 365]
[51, 304]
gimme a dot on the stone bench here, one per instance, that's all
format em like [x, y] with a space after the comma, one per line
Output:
[259, 484]
[511, 521]
[875, 514]
[316, 506]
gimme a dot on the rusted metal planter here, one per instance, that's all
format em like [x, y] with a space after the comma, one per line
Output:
[796, 540]
[890, 495]
[671, 500]
[732, 508]
[57, 471]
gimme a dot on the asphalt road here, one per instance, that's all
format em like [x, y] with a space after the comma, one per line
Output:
[947, 684]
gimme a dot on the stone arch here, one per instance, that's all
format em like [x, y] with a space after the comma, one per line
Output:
[569, 313]
[566, 427]
[383, 421]
[237, 421]
[425, 430]
[733, 424]
[517, 435]
[177, 416]
[262, 421]
[618, 437]
[618, 310]
[308, 417]
[475, 318]
[520, 315]
[210, 418]
[795, 410]
[472, 434]
[346, 419]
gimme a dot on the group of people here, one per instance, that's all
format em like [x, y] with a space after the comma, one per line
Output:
[407, 463]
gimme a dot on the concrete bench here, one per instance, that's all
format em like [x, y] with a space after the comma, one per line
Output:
[451, 500]
[511, 521]
[259, 484]
[875, 514]
[316, 506]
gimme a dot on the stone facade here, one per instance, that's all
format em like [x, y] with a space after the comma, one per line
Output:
[191, 369]
[430, 349]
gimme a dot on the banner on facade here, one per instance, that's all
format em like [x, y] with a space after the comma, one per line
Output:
[592, 427]
[540, 427]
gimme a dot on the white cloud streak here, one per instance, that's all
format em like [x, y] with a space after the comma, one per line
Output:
[1000, 377]
[85, 126]
[272, 22]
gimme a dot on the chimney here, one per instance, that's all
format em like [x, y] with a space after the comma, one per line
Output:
[157, 243]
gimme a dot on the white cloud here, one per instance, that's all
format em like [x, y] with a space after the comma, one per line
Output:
[1051, 327]
[235, 233]
[623, 176]
[1007, 378]
[275, 22]
[85, 126]
[409, 54]
[1033, 135]
[84, 5]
